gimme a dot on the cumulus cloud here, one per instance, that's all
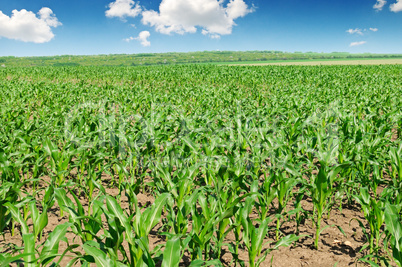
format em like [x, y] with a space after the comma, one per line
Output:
[379, 5]
[25, 26]
[397, 7]
[183, 16]
[123, 8]
[47, 15]
[355, 31]
[237, 8]
[143, 38]
[357, 43]
[374, 29]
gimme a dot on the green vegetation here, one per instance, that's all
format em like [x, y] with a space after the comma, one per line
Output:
[225, 57]
[219, 151]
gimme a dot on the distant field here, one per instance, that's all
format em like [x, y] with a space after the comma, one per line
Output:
[328, 62]
[205, 57]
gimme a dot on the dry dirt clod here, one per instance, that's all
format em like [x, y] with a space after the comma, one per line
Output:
[347, 243]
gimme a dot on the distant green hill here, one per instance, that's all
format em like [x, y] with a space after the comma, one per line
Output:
[181, 58]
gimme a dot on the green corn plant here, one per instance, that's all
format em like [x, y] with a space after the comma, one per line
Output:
[393, 224]
[210, 221]
[178, 213]
[16, 215]
[374, 214]
[91, 183]
[50, 249]
[228, 205]
[80, 162]
[9, 193]
[99, 257]
[283, 187]
[322, 190]
[299, 213]
[203, 225]
[253, 239]
[48, 198]
[267, 194]
[85, 224]
[59, 160]
[29, 249]
[39, 220]
[172, 253]
[6, 259]
[376, 179]
[396, 163]
[237, 219]
[42, 254]
[134, 230]
[163, 179]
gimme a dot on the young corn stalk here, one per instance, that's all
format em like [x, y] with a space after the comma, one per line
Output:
[374, 213]
[393, 224]
[59, 161]
[253, 239]
[322, 190]
[42, 254]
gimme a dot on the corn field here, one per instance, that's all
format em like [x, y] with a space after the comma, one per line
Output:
[192, 165]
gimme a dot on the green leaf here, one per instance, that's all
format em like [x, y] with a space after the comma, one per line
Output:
[156, 209]
[367, 259]
[64, 202]
[201, 263]
[5, 261]
[29, 249]
[117, 211]
[286, 241]
[100, 257]
[51, 246]
[341, 230]
[393, 224]
[258, 239]
[17, 217]
[39, 220]
[172, 255]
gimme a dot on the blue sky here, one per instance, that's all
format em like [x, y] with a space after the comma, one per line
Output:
[85, 27]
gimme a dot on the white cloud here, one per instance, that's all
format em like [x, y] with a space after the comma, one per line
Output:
[357, 31]
[143, 38]
[357, 43]
[380, 4]
[238, 8]
[397, 7]
[212, 36]
[129, 39]
[374, 29]
[123, 8]
[183, 16]
[47, 15]
[27, 27]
